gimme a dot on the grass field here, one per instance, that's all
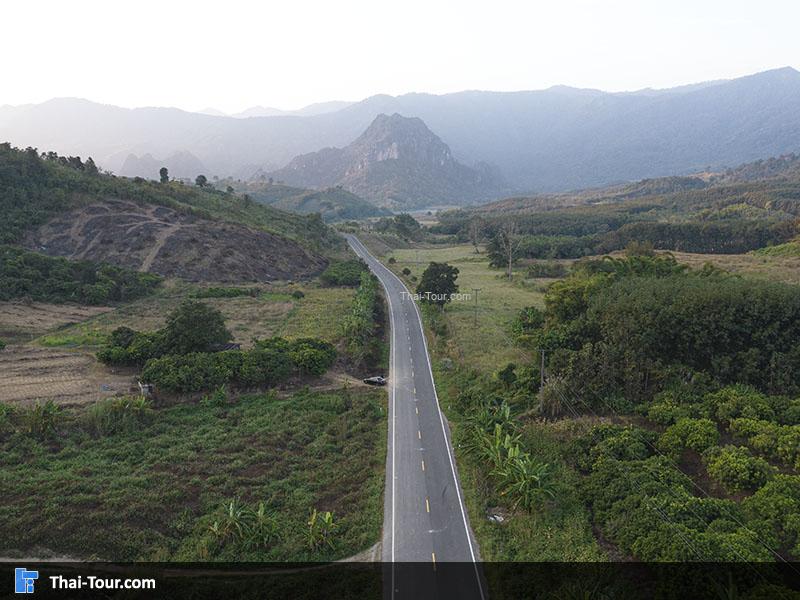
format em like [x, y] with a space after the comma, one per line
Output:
[273, 312]
[488, 345]
[152, 493]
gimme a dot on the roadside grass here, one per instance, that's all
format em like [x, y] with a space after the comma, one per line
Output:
[559, 531]
[152, 493]
[487, 346]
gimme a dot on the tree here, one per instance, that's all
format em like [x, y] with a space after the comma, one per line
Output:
[90, 167]
[163, 174]
[438, 284]
[195, 327]
[475, 232]
[201, 181]
[509, 241]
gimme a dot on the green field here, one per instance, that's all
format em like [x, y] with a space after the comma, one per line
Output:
[274, 311]
[488, 345]
[153, 491]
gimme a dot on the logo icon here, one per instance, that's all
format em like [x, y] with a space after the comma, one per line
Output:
[24, 580]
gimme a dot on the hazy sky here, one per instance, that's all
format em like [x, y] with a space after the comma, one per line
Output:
[234, 54]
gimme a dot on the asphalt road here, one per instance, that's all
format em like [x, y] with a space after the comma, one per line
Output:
[425, 521]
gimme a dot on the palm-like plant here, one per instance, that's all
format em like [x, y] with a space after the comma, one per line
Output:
[524, 479]
[320, 529]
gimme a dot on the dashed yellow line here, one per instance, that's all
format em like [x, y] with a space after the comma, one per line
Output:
[427, 505]
[433, 557]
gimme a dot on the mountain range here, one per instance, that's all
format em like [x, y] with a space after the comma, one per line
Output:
[539, 141]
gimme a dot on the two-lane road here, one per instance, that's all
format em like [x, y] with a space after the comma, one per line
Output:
[425, 520]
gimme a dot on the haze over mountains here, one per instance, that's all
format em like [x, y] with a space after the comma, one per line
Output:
[540, 141]
[397, 163]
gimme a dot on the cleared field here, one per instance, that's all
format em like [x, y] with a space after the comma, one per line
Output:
[486, 345]
[23, 321]
[30, 374]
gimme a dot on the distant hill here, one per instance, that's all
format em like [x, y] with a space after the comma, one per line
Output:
[63, 206]
[551, 140]
[397, 162]
[334, 204]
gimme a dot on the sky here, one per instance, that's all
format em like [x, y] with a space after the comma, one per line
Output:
[235, 54]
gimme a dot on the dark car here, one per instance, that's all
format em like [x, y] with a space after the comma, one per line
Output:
[377, 380]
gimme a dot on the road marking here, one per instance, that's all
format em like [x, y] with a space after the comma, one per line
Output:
[419, 434]
[433, 557]
[423, 465]
[427, 505]
[416, 410]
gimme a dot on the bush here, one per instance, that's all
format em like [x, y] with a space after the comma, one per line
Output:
[739, 401]
[696, 434]
[116, 415]
[774, 510]
[736, 469]
[2, 345]
[312, 356]
[298, 295]
[226, 292]
[192, 372]
[47, 279]
[345, 273]
[406, 271]
[546, 270]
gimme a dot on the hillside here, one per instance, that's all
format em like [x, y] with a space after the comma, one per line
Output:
[64, 207]
[397, 162]
[728, 212]
[542, 141]
[333, 204]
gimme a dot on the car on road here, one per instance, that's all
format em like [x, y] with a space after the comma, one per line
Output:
[376, 380]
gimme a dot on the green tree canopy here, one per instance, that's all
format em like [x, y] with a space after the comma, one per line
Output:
[195, 327]
[438, 283]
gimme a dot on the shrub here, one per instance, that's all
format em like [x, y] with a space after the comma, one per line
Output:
[345, 273]
[115, 415]
[739, 401]
[2, 345]
[298, 295]
[392, 260]
[194, 327]
[546, 270]
[42, 419]
[735, 468]
[775, 510]
[406, 271]
[312, 356]
[192, 372]
[264, 367]
[696, 434]
[226, 292]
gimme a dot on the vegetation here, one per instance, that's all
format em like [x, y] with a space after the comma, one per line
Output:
[344, 273]
[234, 481]
[226, 292]
[361, 327]
[37, 187]
[438, 284]
[42, 278]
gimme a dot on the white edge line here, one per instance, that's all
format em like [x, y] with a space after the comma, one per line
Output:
[441, 421]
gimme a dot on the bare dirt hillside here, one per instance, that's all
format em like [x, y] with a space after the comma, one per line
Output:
[163, 241]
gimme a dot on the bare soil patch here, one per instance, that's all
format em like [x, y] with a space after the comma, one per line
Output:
[20, 320]
[173, 244]
[30, 374]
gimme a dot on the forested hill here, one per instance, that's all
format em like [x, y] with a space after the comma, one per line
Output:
[753, 206]
[64, 206]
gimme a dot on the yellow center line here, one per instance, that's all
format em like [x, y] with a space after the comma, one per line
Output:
[427, 505]
[433, 557]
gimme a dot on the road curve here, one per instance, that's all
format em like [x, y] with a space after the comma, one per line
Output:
[425, 520]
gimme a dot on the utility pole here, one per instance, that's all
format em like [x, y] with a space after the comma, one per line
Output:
[542, 352]
[476, 290]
